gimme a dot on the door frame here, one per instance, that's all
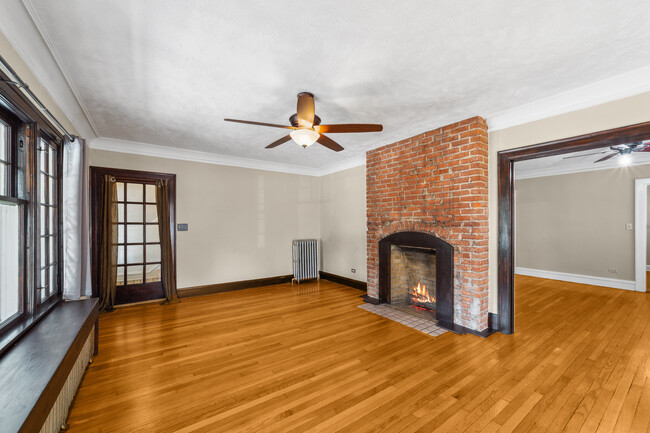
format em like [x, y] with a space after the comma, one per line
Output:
[640, 232]
[123, 175]
[505, 162]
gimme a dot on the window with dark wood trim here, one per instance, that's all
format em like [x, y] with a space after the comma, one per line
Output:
[30, 207]
[48, 220]
[5, 157]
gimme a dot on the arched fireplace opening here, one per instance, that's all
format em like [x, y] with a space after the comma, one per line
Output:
[416, 275]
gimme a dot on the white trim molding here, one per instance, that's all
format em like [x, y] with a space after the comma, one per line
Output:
[640, 232]
[578, 278]
[154, 150]
[618, 87]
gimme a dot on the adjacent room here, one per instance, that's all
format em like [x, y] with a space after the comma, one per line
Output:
[334, 217]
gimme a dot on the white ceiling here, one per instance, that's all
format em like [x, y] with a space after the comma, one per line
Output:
[167, 72]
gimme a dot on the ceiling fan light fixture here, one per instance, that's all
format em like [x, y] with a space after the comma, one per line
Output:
[625, 159]
[304, 137]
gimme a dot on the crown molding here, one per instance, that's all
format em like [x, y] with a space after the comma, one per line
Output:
[154, 150]
[31, 10]
[19, 28]
[347, 164]
[617, 87]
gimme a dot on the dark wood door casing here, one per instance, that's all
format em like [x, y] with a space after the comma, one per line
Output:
[147, 291]
[506, 160]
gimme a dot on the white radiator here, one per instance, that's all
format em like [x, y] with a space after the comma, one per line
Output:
[59, 412]
[305, 259]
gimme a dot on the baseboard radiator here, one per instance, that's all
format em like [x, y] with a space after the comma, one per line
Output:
[305, 259]
[59, 412]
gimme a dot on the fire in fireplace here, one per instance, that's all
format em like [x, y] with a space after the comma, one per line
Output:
[421, 297]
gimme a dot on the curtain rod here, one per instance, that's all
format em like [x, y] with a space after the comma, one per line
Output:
[16, 81]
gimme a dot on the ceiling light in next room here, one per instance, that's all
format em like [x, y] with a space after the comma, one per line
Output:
[625, 159]
[304, 137]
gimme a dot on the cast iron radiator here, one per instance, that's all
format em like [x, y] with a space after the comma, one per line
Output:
[305, 259]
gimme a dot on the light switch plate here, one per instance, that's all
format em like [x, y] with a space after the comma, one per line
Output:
[182, 227]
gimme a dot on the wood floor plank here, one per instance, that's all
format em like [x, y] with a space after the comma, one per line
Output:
[304, 358]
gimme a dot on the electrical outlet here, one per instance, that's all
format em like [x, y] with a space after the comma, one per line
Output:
[629, 226]
[354, 271]
[182, 227]
[612, 270]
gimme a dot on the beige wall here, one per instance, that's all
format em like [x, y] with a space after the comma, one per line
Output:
[343, 223]
[575, 223]
[241, 221]
[627, 111]
[18, 65]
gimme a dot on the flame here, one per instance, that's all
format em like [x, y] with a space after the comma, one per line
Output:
[420, 295]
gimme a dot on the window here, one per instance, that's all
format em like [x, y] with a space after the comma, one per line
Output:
[10, 253]
[30, 162]
[48, 238]
[138, 251]
[5, 165]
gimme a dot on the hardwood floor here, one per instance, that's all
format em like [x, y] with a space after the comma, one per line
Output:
[278, 359]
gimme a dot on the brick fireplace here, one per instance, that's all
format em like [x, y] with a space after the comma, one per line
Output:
[435, 184]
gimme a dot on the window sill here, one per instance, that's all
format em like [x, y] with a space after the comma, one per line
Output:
[22, 327]
[34, 369]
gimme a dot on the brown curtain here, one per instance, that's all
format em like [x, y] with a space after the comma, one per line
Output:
[108, 252]
[166, 251]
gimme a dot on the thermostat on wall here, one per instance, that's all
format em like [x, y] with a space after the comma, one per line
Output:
[182, 227]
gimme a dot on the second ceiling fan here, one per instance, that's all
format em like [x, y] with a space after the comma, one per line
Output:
[306, 127]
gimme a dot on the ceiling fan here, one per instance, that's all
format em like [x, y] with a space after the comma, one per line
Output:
[306, 127]
[623, 150]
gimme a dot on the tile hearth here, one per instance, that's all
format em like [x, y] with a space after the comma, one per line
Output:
[423, 325]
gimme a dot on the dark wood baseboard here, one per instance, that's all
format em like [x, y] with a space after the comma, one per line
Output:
[370, 300]
[493, 320]
[458, 329]
[232, 286]
[361, 285]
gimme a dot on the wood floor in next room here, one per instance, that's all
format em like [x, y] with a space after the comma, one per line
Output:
[283, 359]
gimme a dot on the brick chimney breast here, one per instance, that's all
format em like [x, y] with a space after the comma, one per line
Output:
[436, 183]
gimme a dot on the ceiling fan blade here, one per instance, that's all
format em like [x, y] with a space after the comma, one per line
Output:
[305, 109]
[606, 157]
[348, 127]
[329, 143]
[276, 143]
[250, 122]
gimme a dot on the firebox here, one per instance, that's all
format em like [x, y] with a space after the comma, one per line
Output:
[416, 275]
[413, 279]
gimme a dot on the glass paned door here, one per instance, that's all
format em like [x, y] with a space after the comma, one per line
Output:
[138, 249]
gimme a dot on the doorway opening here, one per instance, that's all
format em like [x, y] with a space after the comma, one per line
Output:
[506, 160]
